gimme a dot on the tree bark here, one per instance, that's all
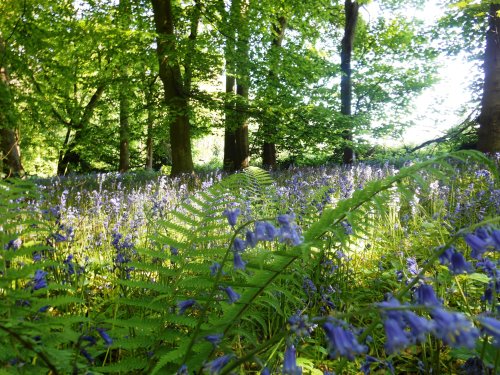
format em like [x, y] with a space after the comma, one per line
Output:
[174, 87]
[10, 157]
[124, 164]
[236, 145]
[269, 130]
[489, 119]
[351, 9]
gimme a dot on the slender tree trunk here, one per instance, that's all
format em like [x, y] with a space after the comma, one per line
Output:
[124, 130]
[10, 153]
[351, 18]
[149, 134]
[269, 130]
[236, 145]
[175, 95]
[489, 120]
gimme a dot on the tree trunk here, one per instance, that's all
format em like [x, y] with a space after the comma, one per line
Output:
[351, 9]
[236, 145]
[149, 134]
[10, 156]
[124, 130]
[175, 95]
[269, 130]
[489, 119]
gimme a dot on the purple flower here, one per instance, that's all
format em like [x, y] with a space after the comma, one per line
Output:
[39, 280]
[341, 342]
[174, 251]
[495, 237]
[104, 335]
[232, 295]
[14, 244]
[183, 370]
[458, 264]
[239, 264]
[290, 362]
[239, 245]
[412, 265]
[426, 296]
[491, 327]
[419, 326]
[396, 337]
[215, 367]
[265, 231]
[251, 239]
[87, 355]
[445, 257]
[366, 365]
[265, 371]
[300, 325]
[69, 264]
[214, 339]
[454, 329]
[477, 245]
[214, 268]
[232, 216]
[184, 305]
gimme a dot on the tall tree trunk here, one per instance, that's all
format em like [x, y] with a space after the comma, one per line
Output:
[489, 119]
[236, 145]
[70, 158]
[124, 130]
[149, 134]
[351, 9]
[174, 87]
[269, 130]
[10, 157]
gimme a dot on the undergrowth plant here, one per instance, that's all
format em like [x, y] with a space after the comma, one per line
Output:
[247, 276]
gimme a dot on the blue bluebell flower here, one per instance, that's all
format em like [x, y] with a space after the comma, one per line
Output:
[215, 367]
[69, 264]
[183, 370]
[365, 367]
[174, 251]
[87, 355]
[232, 216]
[412, 265]
[478, 245]
[239, 245]
[14, 244]
[491, 326]
[341, 342]
[104, 335]
[232, 295]
[495, 237]
[290, 362]
[265, 371]
[184, 305]
[396, 337]
[238, 263]
[458, 264]
[214, 339]
[454, 329]
[300, 325]
[445, 257]
[426, 296]
[419, 326]
[39, 280]
[265, 231]
[214, 268]
[251, 239]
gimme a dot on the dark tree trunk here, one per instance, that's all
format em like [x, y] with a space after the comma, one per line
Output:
[10, 153]
[236, 146]
[124, 131]
[489, 120]
[174, 87]
[70, 158]
[149, 135]
[351, 18]
[268, 129]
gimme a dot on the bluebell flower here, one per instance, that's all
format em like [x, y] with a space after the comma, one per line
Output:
[44, 308]
[411, 264]
[14, 244]
[290, 235]
[184, 305]
[174, 251]
[91, 340]
[232, 216]
[477, 245]
[104, 335]
[87, 355]
[251, 239]
[239, 245]
[214, 268]
[39, 280]
[309, 287]
[265, 231]
[426, 296]
[183, 370]
[454, 329]
[300, 325]
[495, 237]
[365, 367]
[290, 362]
[341, 342]
[239, 264]
[445, 257]
[265, 371]
[419, 326]
[491, 326]
[215, 367]
[69, 264]
[285, 220]
[214, 339]
[396, 337]
[458, 264]
[232, 295]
